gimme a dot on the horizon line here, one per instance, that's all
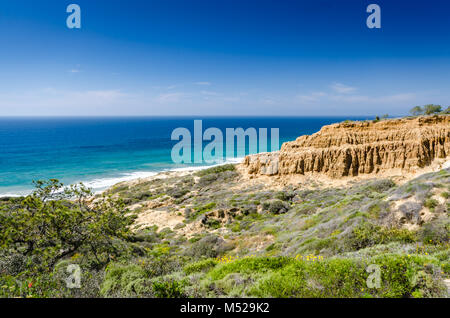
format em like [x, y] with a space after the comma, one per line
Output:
[191, 116]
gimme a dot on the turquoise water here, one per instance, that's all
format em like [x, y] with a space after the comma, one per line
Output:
[103, 151]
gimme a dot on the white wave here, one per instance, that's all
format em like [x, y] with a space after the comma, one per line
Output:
[15, 194]
[103, 183]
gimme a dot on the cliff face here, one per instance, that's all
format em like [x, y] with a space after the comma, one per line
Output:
[354, 148]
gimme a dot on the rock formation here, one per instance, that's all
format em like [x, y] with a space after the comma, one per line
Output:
[353, 148]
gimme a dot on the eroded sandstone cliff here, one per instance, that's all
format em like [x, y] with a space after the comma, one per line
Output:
[356, 148]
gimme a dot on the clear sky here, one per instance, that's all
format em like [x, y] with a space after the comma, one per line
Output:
[223, 57]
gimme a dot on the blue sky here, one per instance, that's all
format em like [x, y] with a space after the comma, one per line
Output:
[222, 57]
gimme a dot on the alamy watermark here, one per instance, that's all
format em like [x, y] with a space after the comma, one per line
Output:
[374, 19]
[74, 278]
[374, 279]
[74, 19]
[214, 151]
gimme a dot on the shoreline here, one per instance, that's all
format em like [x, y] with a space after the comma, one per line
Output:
[100, 185]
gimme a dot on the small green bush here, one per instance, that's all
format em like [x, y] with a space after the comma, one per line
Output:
[200, 266]
[368, 234]
[431, 204]
[209, 246]
[199, 210]
[124, 281]
[284, 195]
[276, 206]
[249, 265]
[401, 276]
[177, 192]
[381, 185]
[169, 289]
[215, 170]
[435, 232]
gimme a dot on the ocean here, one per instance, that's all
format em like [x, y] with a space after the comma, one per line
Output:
[103, 151]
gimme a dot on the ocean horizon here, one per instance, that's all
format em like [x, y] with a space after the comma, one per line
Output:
[102, 151]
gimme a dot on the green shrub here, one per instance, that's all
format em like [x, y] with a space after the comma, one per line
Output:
[205, 208]
[119, 188]
[124, 281]
[284, 195]
[368, 234]
[209, 246]
[207, 180]
[432, 109]
[431, 204]
[276, 206]
[435, 232]
[169, 289]
[334, 278]
[177, 192]
[216, 169]
[381, 185]
[200, 266]
[213, 223]
[416, 111]
[249, 265]
[401, 276]
[55, 222]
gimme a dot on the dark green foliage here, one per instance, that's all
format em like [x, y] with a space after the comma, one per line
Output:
[48, 226]
[285, 195]
[349, 227]
[435, 232]
[213, 223]
[276, 206]
[401, 276]
[446, 111]
[125, 280]
[380, 185]
[177, 192]
[426, 110]
[431, 203]
[169, 289]
[432, 109]
[216, 170]
[203, 209]
[368, 234]
[200, 266]
[208, 247]
[416, 111]
[250, 265]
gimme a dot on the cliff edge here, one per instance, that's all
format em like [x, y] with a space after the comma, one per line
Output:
[360, 147]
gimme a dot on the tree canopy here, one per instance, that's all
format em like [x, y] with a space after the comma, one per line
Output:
[56, 221]
[428, 109]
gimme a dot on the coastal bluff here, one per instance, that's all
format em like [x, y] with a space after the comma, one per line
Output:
[355, 148]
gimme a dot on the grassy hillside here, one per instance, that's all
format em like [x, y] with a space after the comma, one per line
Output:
[256, 241]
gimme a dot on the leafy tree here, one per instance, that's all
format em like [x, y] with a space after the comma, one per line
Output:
[416, 111]
[431, 109]
[55, 222]
[447, 111]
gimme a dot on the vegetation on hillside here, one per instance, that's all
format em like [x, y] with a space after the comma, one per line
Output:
[253, 241]
[429, 109]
